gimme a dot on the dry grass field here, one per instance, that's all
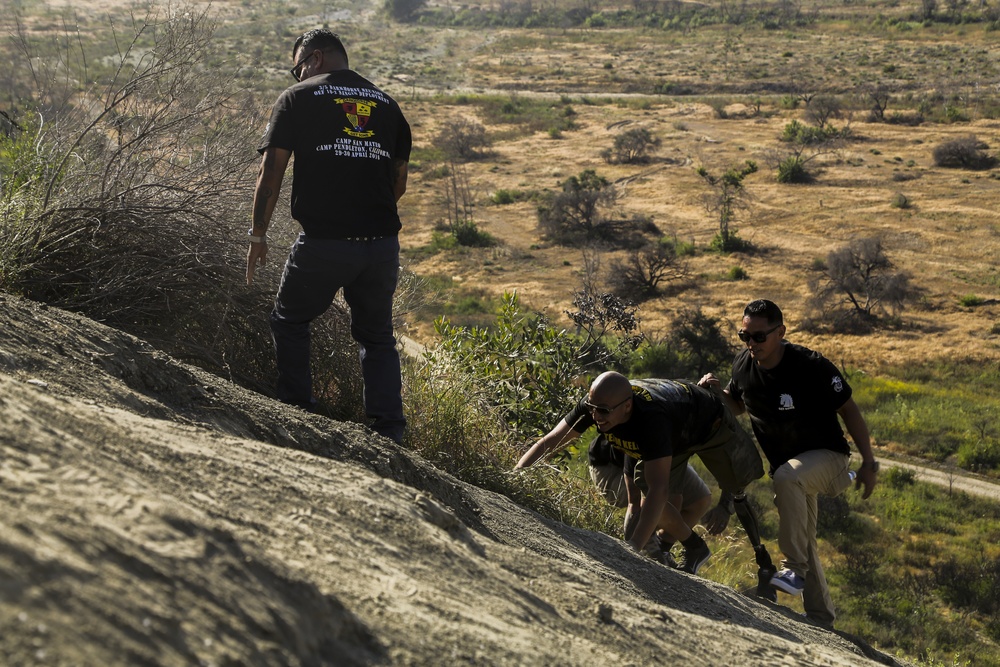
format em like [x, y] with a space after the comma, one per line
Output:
[949, 239]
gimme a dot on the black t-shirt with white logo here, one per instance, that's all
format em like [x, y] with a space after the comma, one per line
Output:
[344, 134]
[668, 417]
[793, 406]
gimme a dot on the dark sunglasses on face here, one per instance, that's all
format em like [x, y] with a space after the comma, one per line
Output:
[603, 409]
[297, 70]
[756, 336]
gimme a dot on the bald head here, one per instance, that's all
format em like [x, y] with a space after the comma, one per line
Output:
[610, 388]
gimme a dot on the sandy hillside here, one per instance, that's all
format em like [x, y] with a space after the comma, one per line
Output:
[156, 515]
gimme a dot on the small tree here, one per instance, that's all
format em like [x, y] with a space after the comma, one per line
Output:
[728, 199]
[576, 211]
[859, 286]
[877, 96]
[632, 146]
[822, 109]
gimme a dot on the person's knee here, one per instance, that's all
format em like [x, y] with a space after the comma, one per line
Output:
[699, 506]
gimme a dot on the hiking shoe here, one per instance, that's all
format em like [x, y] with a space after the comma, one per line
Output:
[694, 557]
[668, 560]
[789, 582]
[764, 589]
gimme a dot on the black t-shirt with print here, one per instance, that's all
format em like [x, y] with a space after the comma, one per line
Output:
[668, 417]
[344, 134]
[793, 406]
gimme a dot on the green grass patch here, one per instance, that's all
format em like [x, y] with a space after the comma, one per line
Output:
[936, 411]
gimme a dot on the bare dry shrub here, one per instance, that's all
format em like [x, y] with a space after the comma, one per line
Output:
[128, 200]
[643, 271]
[464, 140]
[964, 153]
[859, 289]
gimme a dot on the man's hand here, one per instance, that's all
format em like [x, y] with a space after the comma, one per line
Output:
[868, 477]
[715, 520]
[256, 256]
[710, 381]
[631, 519]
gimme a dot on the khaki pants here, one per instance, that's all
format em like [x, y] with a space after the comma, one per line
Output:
[797, 483]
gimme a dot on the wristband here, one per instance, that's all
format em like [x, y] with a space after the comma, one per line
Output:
[256, 239]
[874, 465]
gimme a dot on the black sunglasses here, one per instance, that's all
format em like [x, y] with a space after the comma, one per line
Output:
[296, 71]
[756, 336]
[603, 409]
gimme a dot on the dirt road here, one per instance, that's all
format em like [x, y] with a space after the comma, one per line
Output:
[950, 479]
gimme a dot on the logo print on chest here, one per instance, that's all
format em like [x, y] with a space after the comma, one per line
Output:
[785, 402]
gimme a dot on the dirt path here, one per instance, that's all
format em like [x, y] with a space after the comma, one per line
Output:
[949, 478]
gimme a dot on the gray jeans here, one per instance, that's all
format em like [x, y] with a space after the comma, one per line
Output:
[367, 271]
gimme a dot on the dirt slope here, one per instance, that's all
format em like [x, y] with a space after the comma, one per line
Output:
[155, 515]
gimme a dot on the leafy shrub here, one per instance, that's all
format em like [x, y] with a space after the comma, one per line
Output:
[964, 153]
[524, 367]
[581, 213]
[502, 197]
[467, 233]
[731, 242]
[792, 170]
[979, 456]
[799, 133]
[695, 346]
[898, 477]
[971, 300]
[737, 273]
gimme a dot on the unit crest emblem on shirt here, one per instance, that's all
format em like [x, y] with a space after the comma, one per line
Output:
[838, 383]
[785, 402]
[358, 113]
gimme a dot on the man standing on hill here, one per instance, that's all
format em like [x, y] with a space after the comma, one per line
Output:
[659, 424]
[793, 396]
[352, 147]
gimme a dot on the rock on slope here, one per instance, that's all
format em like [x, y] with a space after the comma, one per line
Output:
[153, 514]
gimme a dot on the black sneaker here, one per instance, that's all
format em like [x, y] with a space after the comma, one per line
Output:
[694, 557]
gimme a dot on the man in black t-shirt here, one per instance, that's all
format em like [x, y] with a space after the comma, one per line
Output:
[794, 396]
[352, 146]
[659, 424]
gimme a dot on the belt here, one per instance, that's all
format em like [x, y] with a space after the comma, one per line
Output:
[362, 238]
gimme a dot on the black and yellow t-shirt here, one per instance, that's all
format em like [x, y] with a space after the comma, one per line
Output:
[344, 134]
[668, 418]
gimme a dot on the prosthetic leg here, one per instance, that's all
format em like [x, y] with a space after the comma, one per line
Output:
[765, 566]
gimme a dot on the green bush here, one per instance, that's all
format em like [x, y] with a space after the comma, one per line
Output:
[971, 300]
[467, 233]
[525, 368]
[792, 170]
[737, 273]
